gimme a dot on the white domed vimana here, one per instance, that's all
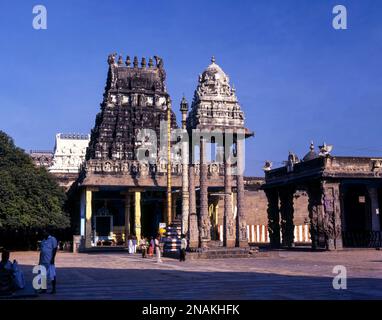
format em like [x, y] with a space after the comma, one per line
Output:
[215, 102]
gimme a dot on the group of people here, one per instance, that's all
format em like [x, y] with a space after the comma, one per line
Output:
[132, 244]
[150, 246]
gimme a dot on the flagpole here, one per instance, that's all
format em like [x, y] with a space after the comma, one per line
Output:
[169, 201]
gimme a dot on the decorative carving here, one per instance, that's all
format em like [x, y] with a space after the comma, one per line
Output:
[332, 217]
[111, 59]
[107, 167]
[376, 167]
[213, 168]
[215, 103]
[205, 231]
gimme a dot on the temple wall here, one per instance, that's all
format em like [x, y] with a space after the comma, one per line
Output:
[256, 204]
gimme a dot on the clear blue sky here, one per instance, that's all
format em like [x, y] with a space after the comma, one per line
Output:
[296, 77]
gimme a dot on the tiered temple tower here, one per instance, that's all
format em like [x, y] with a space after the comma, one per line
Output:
[124, 175]
[135, 98]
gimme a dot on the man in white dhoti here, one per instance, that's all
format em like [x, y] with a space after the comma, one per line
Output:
[157, 249]
[130, 245]
[48, 252]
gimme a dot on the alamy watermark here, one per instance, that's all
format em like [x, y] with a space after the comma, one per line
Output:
[340, 280]
[39, 281]
[340, 20]
[219, 146]
[40, 19]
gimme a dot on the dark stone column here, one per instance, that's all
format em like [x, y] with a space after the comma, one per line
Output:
[204, 228]
[273, 217]
[229, 225]
[241, 223]
[193, 232]
[332, 215]
[286, 212]
[315, 209]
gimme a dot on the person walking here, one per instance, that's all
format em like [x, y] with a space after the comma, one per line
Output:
[143, 245]
[183, 247]
[48, 250]
[151, 247]
[134, 244]
[157, 249]
[130, 245]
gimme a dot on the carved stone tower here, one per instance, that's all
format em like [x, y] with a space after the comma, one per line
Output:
[135, 98]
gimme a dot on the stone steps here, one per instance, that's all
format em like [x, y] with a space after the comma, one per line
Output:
[221, 253]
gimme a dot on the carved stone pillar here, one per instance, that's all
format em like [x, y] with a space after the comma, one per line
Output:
[193, 232]
[286, 212]
[374, 206]
[332, 215]
[273, 217]
[315, 213]
[88, 218]
[241, 222]
[127, 216]
[205, 228]
[229, 225]
[185, 191]
[173, 206]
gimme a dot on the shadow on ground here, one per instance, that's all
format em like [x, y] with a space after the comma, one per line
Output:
[162, 284]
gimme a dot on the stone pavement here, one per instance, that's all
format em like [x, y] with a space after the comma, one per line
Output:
[271, 275]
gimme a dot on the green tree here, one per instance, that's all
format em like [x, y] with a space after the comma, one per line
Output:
[30, 198]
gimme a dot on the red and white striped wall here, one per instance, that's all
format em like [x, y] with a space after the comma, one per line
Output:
[260, 234]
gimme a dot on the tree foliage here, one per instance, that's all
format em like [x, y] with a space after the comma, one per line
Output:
[30, 198]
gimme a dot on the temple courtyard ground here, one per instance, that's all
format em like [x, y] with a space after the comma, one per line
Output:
[269, 275]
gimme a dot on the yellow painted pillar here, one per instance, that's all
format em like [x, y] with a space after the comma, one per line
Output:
[88, 218]
[137, 215]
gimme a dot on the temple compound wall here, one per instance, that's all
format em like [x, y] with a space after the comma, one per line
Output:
[256, 205]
